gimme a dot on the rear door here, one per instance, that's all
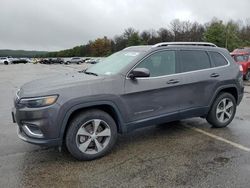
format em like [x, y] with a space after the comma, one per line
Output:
[199, 82]
[157, 96]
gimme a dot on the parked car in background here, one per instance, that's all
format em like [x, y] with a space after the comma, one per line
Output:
[6, 60]
[137, 87]
[19, 60]
[44, 61]
[34, 60]
[92, 61]
[240, 50]
[56, 61]
[243, 58]
[76, 60]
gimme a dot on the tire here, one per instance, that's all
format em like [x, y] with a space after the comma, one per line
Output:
[67, 62]
[222, 111]
[247, 76]
[6, 62]
[81, 138]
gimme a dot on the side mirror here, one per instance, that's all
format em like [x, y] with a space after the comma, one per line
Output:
[139, 73]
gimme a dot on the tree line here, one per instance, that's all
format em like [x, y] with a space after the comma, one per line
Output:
[230, 35]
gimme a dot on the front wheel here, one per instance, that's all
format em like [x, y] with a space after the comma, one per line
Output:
[222, 111]
[6, 62]
[91, 135]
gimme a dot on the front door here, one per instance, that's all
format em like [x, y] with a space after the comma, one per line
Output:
[156, 97]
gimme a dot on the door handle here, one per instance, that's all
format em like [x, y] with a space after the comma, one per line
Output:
[214, 75]
[173, 81]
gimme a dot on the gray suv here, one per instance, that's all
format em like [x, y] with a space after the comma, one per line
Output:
[136, 87]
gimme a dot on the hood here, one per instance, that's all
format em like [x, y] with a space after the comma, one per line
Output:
[51, 84]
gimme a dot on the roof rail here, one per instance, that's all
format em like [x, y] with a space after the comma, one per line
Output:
[184, 44]
[139, 46]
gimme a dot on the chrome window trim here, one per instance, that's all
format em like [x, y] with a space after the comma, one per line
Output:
[146, 78]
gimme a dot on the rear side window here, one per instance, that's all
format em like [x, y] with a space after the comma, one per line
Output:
[191, 60]
[218, 59]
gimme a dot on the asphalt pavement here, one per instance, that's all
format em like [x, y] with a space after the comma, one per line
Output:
[188, 153]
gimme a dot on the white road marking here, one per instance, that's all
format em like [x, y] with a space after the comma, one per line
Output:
[239, 146]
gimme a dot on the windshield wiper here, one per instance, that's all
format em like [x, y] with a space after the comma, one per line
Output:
[92, 73]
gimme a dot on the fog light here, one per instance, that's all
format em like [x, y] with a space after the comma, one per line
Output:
[32, 131]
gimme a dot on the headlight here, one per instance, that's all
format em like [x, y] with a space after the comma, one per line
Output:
[38, 101]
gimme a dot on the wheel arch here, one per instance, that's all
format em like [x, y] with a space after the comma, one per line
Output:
[232, 89]
[105, 106]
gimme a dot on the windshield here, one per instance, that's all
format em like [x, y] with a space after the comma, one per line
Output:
[114, 63]
[241, 58]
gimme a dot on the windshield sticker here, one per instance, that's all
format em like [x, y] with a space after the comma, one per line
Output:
[108, 73]
[131, 54]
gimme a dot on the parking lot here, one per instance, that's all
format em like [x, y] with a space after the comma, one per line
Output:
[188, 153]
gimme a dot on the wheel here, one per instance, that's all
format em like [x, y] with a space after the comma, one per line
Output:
[91, 135]
[67, 62]
[247, 76]
[222, 111]
[6, 62]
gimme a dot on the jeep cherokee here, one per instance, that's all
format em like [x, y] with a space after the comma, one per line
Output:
[136, 87]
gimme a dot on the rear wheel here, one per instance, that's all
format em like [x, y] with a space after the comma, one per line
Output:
[91, 135]
[6, 62]
[222, 111]
[247, 76]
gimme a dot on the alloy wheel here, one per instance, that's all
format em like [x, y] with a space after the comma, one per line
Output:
[224, 110]
[93, 136]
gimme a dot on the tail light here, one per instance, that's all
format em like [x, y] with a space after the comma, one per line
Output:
[241, 68]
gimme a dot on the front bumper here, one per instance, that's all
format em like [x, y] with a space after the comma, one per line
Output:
[43, 142]
[38, 125]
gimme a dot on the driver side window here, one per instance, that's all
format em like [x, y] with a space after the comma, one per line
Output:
[160, 63]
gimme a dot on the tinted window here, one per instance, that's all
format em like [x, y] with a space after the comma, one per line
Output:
[191, 60]
[160, 63]
[218, 59]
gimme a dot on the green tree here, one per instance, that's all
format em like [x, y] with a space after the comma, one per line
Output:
[232, 39]
[132, 37]
[100, 47]
[215, 33]
[134, 40]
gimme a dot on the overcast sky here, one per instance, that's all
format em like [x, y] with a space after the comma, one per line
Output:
[60, 24]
